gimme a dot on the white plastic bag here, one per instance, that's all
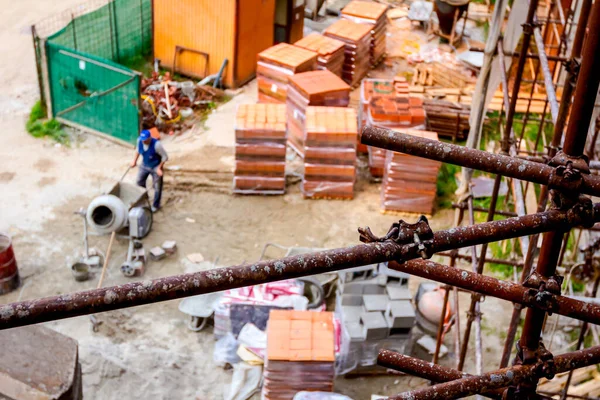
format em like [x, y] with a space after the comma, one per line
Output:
[226, 351]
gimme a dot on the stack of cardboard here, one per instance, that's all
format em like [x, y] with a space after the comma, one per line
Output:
[398, 110]
[300, 353]
[331, 51]
[357, 40]
[373, 15]
[410, 183]
[276, 65]
[330, 153]
[315, 88]
[260, 139]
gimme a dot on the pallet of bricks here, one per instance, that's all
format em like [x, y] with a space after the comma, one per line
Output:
[276, 64]
[396, 110]
[330, 51]
[329, 139]
[300, 354]
[314, 88]
[368, 88]
[357, 41]
[260, 145]
[374, 15]
[409, 182]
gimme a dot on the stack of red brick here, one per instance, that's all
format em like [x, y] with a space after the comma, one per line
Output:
[276, 65]
[368, 88]
[300, 354]
[373, 15]
[315, 88]
[409, 182]
[331, 51]
[357, 40]
[392, 109]
[260, 145]
[330, 137]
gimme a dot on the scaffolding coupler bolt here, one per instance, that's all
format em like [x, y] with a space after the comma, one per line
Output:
[402, 232]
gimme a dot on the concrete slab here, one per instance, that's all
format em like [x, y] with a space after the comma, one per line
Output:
[373, 286]
[39, 363]
[375, 302]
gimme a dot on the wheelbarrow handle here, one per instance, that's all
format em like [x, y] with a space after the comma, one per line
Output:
[125, 174]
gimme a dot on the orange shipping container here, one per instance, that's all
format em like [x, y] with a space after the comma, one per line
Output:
[234, 29]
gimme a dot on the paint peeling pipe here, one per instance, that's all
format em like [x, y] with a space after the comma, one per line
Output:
[179, 286]
[503, 290]
[469, 158]
[470, 385]
[424, 369]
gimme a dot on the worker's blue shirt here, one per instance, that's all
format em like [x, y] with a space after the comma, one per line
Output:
[150, 157]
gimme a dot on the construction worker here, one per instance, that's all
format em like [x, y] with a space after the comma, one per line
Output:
[154, 158]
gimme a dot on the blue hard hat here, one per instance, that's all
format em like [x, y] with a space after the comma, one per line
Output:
[145, 134]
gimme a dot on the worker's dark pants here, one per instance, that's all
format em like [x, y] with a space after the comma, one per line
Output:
[157, 182]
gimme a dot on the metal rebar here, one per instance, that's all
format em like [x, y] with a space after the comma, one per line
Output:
[178, 286]
[469, 385]
[500, 289]
[548, 78]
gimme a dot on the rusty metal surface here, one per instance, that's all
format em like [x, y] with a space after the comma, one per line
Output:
[178, 286]
[470, 158]
[509, 291]
[473, 384]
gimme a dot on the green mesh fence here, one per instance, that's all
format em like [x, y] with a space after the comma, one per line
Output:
[89, 84]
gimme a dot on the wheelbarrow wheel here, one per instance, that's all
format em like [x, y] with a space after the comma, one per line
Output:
[196, 324]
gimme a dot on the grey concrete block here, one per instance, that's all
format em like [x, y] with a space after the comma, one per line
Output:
[353, 287]
[356, 331]
[400, 314]
[375, 302]
[374, 325]
[351, 313]
[397, 292]
[352, 299]
[372, 286]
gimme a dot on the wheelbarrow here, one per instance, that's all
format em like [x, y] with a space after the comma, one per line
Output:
[200, 309]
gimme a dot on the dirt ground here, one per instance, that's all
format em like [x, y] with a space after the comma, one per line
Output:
[148, 352]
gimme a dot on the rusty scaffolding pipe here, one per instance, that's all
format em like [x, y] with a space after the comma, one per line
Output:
[178, 286]
[469, 385]
[470, 158]
[553, 148]
[504, 290]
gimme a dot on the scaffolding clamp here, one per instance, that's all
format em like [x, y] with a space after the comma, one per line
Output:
[402, 233]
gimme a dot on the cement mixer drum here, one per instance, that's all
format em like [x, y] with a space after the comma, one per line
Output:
[107, 214]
